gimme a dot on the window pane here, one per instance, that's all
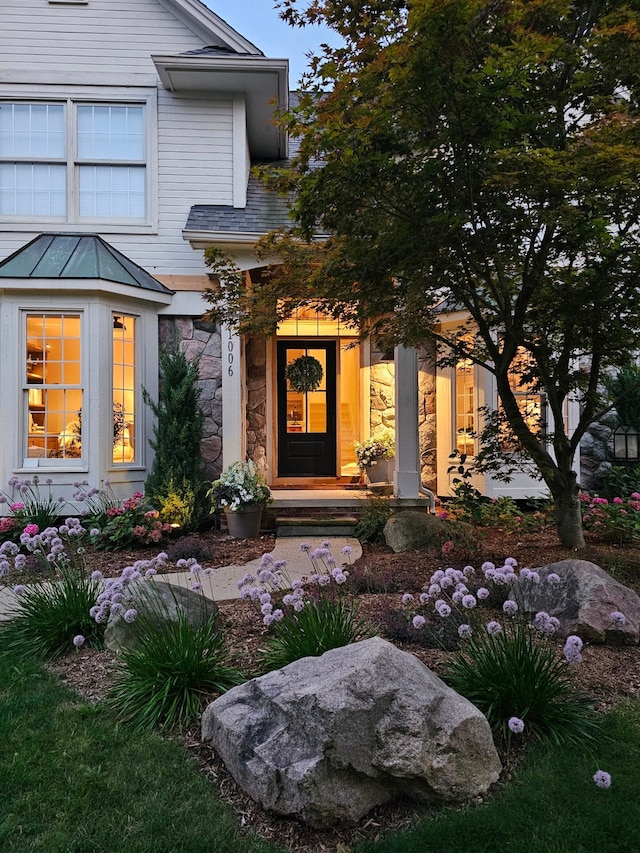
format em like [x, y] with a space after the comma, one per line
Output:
[54, 406]
[32, 130]
[110, 133]
[124, 388]
[31, 189]
[465, 407]
[112, 191]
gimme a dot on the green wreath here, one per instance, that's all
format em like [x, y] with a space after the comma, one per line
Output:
[304, 374]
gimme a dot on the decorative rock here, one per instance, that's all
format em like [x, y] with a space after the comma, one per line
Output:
[159, 602]
[327, 739]
[583, 602]
[408, 531]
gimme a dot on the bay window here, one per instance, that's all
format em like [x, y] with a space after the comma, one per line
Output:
[124, 388]
[73, 161]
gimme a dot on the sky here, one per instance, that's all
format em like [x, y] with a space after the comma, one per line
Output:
[258, 21]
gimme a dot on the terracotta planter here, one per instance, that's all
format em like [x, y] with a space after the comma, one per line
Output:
[381, 472]
[244, 524]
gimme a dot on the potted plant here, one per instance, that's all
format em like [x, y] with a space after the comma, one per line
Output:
[373, 455]
[242, 492]
[304, 374]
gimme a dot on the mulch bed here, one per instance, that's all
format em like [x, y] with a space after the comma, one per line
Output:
[608, 674]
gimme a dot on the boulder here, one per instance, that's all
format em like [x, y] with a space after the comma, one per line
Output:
[326, 739]
[408, 531]
[583, 602]
[156, 603]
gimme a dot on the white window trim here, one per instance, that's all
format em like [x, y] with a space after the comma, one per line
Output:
[148, 99]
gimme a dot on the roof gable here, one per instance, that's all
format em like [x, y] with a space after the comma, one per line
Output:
[210, 27]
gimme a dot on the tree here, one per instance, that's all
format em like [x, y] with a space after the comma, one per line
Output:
[481, 156]
[175, 483]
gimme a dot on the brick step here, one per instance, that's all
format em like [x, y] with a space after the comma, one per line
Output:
[316, 526]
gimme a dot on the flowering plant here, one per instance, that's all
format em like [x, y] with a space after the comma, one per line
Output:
[28, 505]
[135, 522]
[616, 521]
[374, 448]
[239, 487]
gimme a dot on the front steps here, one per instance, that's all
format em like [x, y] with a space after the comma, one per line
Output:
[319, 525]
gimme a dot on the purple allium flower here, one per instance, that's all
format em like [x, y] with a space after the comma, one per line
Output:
[407, 598]
[97, 575]
[78, 641]
[444, 610]
[18, 589]
[483, 593]
[511, 561]
[347, 550]
[340, 578]
[465, 631]
[278, 615]
[469, 602]
[553, 578]
[510, 607]
[516, 725]
[494, 628]
[298, 605]
[487, 567]
[130, 615]
[617, 619]
[602, 779]
[424, 598]
[572, 649]
[418, 621]
[266, 608]
[196, 586]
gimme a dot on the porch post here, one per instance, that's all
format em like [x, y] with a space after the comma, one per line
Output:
[406, 478]
[234, 428]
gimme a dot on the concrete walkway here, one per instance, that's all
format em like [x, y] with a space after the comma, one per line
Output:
[222, 583]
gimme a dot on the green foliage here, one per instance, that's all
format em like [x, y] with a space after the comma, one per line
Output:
[624, 391]
[616, 521]
[375, 514]
[47, 616]
[163, 681]
[239, 487]
[621, 480]
[28, 503]
[178, 505]
[513, 674]
[176, 473]
[369, 451]
[135, 522]
[321, 625]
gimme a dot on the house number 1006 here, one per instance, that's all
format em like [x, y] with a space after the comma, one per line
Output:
[230, 357]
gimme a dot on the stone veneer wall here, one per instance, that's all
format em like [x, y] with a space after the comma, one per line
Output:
[256, 360]
[197, 338]
[382, 413]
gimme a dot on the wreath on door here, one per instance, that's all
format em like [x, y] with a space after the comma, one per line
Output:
[304, 374]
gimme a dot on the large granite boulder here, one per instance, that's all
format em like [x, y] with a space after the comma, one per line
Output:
[408, 531]
[327, 739]
[156, 602]
[583, 602]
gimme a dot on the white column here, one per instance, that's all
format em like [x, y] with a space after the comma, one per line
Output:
[406, 478]
[234, 427]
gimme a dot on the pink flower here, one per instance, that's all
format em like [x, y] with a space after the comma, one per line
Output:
[31, 529]
[618, 500]
[17, 506]
[448, 547]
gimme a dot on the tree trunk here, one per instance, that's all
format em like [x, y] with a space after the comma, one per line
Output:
[569, 518]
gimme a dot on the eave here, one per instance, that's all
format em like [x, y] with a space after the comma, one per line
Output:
[263, 81]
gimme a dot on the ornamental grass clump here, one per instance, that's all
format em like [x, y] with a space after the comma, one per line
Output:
[315, 616]
[174, 661]
[50, 612]
[508, 667]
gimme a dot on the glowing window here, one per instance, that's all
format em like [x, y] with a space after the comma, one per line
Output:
[465, 407]
[53, 386]
[124, 388]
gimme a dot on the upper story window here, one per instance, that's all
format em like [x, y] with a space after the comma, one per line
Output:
[73, 161]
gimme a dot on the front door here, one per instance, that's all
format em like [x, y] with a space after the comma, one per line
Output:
[307, 420]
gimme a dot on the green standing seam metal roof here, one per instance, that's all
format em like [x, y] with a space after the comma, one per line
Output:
[76, 256]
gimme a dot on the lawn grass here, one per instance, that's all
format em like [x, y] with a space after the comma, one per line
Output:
[71, 780]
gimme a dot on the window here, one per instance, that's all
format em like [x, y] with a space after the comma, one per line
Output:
[73, 161]
[530, 402]
[124, 388]
[465, 407]
[53, 386]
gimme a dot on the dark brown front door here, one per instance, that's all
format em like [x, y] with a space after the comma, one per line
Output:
[307, 421]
